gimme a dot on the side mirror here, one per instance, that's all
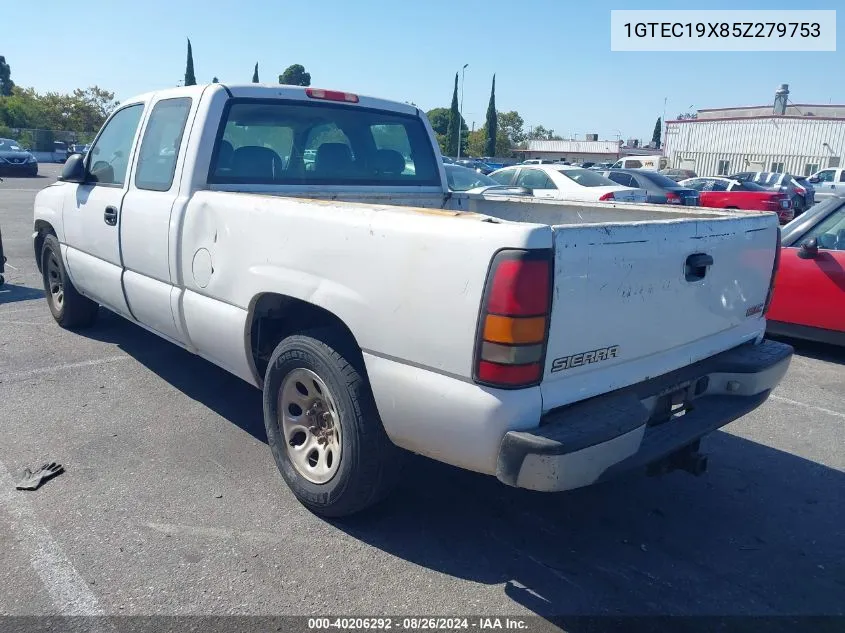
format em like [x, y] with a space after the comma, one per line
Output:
[74, 169]
[809, 249]
[813, 180]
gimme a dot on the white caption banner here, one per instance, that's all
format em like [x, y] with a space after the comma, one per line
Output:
[668, 30]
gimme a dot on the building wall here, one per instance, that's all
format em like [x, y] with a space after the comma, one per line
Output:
[571, 156]
[747, 144]
[799, 109]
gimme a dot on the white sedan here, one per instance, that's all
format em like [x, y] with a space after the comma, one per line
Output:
[564, 182]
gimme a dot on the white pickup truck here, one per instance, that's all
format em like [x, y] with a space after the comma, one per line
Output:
[550, 344]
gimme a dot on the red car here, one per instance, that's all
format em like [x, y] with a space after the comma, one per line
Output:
[809, 296]
[726, 193]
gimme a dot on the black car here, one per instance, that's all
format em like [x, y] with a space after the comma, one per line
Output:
[16, 161]
[477, 165]
[659, 188]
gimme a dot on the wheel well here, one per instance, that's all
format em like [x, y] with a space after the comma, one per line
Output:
[275, 316]
[43, 228]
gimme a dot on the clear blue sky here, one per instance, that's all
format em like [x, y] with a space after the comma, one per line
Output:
[552, 58]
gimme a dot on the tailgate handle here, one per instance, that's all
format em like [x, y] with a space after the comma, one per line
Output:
[696, 266]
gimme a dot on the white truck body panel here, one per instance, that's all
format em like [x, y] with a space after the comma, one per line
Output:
[404, 269]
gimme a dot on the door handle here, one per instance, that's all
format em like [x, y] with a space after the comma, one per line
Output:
[696, 266]
[110, 216]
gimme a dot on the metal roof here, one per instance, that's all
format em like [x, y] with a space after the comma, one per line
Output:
[574, 147]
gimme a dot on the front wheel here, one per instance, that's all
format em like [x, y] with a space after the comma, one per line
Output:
[323, 426]
[70, 309]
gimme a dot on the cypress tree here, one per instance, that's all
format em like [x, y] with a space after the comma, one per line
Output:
[454, 123]
[492, 123]
[190, 79]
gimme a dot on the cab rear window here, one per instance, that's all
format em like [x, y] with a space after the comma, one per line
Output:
[276, 142]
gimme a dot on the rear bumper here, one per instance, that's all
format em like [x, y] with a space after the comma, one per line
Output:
[599, 438]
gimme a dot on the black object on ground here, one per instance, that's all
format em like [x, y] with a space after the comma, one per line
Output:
[32, 480]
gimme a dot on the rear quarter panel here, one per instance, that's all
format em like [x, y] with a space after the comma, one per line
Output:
[407, 282]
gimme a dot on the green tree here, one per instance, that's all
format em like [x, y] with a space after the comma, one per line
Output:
[478, 141]
[190, 78]
[512, 125]
[454, 122]
[540, 133]
[6, 83]
[295, 75]
[82, 111]
[491, 127]
[655, 136]
[255, 74]
[439, 119]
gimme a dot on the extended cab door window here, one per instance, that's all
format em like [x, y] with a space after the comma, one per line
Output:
[160, 146]
[108, 160]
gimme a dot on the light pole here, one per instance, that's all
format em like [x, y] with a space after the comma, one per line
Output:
[461, 108]
[663, 123]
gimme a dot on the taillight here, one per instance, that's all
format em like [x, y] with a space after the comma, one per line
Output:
[672, 198]
[775, 266]
[608, 196]
[514, 323]
[331, 95]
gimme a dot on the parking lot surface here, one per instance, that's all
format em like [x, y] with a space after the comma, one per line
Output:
[171, 503]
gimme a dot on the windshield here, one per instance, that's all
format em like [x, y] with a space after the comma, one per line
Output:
[658, 179]
[9, 145]
[750, 186]
[464, 179]
[587, 178]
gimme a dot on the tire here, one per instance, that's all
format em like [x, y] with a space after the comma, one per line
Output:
[305, 370]
[70, 309]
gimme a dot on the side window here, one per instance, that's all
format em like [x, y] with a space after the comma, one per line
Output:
[830, 232]
[617, 165]
[504, 176]
[109, 157]
[826, 175]
[621, 178]
[534, 179]
[842, 176]
[160, 147]
[695, 183]
[718, 185]
[633, 164]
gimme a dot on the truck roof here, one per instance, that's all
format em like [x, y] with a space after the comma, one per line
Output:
[270, 91]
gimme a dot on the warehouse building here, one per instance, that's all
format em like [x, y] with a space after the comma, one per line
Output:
[798, 139]
[591, 150]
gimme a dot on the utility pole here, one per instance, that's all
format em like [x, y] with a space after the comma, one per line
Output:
[461, 109]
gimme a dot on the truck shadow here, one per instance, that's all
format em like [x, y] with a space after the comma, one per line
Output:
[813, 349]
[759, 534]
[11, 293]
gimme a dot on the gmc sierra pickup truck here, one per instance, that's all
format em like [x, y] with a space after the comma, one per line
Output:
[306, 241]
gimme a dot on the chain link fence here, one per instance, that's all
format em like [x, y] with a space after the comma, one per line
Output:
[46, 145]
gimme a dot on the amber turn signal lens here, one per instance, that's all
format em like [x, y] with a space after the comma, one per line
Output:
[514, 331]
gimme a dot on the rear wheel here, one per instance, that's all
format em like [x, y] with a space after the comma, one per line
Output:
[323, 426]
[70, 309]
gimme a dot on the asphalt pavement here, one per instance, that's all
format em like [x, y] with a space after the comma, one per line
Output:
[171, 503]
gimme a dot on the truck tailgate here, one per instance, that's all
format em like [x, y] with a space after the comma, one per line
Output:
[636, 300]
